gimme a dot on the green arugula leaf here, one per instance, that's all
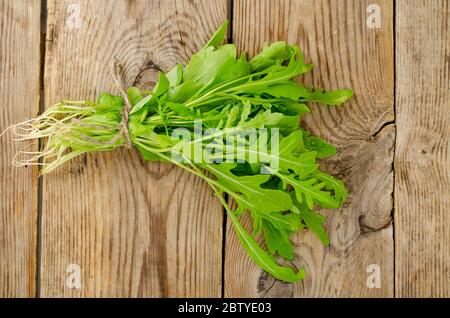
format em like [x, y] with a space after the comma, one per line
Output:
[184, 91]
[292, 156]
[277, 241]
[218, 37]
[295, 107]
[262, 258]
[180, 109]
[311, 191]
[110, 101]
[175, 75]
[271, 55]
[320, 146]
[280, 75]
[336, 97]
[134, 95]
[205, 66]
[289, 222]
[314, 221]
[160, 88]
[333, 184]
[247, 190]
[289, 89]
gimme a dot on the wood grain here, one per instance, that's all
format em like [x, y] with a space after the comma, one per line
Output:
[140, 229]
[135, 228]
[19, 95]
[422, 160]
[333, 36]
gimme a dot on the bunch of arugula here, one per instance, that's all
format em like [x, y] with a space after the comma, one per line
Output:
[225, 93]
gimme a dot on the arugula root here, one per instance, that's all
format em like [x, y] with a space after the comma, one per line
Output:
[231, 121]
[69, 130]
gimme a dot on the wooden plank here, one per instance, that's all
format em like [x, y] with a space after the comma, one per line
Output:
[334, 36]
[133, 228]
[422, 159]
[19, 93]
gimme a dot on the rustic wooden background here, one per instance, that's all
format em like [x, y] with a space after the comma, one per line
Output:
[139, 229]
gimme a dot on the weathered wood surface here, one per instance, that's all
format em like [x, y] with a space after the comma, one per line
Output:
[422, 161]
[19, 95]
[146, 229]
[134, 228]
[333, 35]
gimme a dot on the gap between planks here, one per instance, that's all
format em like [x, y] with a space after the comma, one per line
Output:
[43, 26]
[394, 105]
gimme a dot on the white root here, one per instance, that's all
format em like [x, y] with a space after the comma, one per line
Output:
[52, 128]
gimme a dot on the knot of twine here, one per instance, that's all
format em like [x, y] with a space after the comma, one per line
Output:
[118, 77]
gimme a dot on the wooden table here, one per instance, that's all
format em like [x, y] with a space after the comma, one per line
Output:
[136, 229]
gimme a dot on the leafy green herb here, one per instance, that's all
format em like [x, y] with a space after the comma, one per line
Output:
[224, 95]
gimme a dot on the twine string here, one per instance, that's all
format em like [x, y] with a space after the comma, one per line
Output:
[118, 77]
